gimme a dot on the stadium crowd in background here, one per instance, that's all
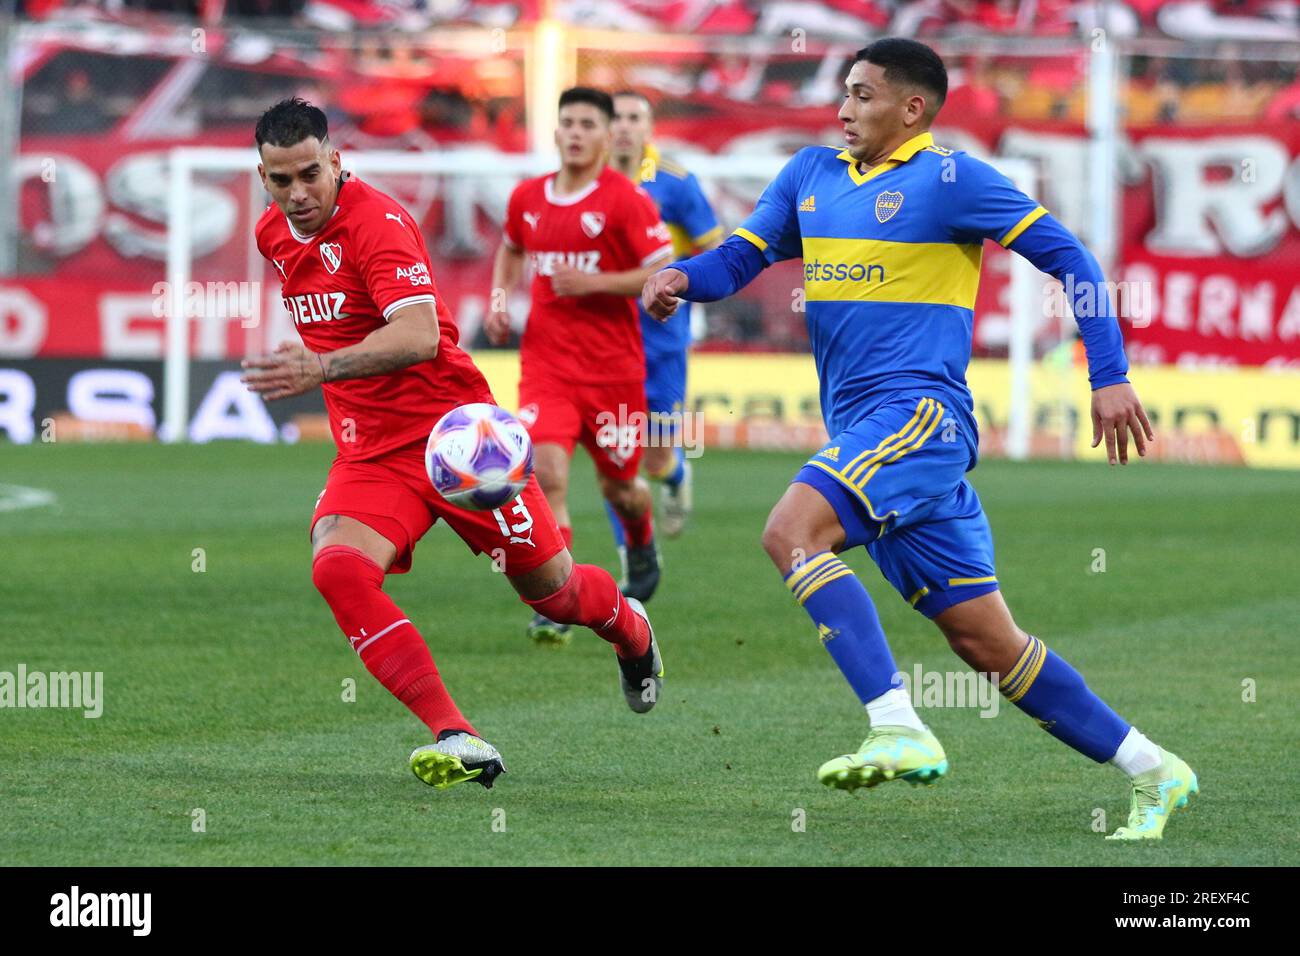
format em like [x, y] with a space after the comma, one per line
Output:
[1183, 19]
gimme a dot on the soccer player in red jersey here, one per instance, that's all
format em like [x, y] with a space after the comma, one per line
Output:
[381, 345]
[592, 238]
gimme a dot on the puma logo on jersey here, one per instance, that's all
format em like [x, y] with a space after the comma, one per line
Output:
[545, 262]
[418, 274]
[809, 204]
[315, 306]
[531, 218]
[396, 218]
[280, 265]
[520, 532]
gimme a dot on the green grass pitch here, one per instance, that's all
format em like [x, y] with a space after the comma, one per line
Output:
[223, 690]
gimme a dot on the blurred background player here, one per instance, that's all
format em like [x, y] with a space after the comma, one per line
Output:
[381, 344]
[891, 230]
[593, 238]
[694, 229]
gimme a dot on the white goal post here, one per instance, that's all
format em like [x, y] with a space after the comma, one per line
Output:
[187, 162]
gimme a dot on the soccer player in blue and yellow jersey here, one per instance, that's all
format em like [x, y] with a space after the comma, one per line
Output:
[694, 229]
[891, 230]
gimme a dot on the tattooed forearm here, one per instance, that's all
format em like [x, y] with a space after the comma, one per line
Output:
[341, 365]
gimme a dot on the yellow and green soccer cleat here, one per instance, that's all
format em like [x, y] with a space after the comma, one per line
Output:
[1156, 794]
[888, 753]
[456, 758]
[548, 633]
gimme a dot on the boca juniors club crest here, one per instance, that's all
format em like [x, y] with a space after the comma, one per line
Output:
[592, 223]
[331, 253]
[887, 204]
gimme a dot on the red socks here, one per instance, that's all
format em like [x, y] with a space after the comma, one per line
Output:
[591, 598]
[639, 532]
[387, 643]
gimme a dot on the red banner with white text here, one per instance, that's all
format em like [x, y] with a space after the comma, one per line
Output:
[1209, 231]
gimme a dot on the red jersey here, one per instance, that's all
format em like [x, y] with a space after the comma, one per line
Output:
[610, 226]
[344, 282]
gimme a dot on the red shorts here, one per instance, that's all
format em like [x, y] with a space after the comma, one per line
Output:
[393, 495]
[609, 420]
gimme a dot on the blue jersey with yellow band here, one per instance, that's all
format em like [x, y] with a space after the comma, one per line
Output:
[691, 223]
[891, 265]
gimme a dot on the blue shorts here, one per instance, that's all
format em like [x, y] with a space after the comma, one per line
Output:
[665, 390]
[896, 479]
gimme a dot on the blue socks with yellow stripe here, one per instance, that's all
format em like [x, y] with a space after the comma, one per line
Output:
[1052, 692]
[674, 477]
[847, 623]
[1041, 683]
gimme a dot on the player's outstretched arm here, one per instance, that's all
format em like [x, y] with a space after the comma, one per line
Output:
[660, 294]
[1116, 410]
[566, 280]
[410, 336]
[710, 276]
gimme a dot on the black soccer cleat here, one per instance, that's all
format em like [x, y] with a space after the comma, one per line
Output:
[640, 572]
[642, 680]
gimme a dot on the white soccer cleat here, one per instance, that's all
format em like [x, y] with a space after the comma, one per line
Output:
[676, 503]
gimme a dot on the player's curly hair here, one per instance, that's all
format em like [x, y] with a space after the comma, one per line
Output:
[908, 62]
[289, 122]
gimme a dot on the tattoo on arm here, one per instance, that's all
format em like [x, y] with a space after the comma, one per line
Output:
[363, 364]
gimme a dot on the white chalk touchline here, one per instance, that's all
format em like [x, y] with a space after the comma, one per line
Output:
[17, 497]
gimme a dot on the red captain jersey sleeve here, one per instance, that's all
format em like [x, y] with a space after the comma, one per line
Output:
[644, 231]
[394, 262]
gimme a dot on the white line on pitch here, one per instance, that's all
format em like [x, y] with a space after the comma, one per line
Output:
[17, 497]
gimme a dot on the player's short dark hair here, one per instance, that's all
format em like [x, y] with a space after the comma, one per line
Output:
[908, 63]
[630, 92]
[289, 122]
[586, 94]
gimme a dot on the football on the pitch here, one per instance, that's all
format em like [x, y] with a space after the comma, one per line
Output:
[479, 456]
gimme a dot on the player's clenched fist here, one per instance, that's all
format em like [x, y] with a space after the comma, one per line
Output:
[659, 295]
